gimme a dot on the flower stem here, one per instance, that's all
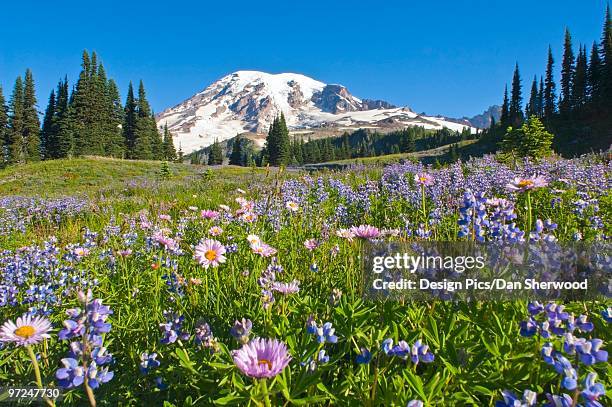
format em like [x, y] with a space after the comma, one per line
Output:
[528, 228]
[37, 372]
[90, 394]
[266, 394]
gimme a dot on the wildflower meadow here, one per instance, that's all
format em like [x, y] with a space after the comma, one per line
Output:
[244, 287]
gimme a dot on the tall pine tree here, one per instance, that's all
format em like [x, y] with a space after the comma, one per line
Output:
[46, 133]
[169, 150]
[31, 123]
[532, 105]
[129, 122]
[14, 145]
[549, 88]
[236, 157]
[579, 87]
[567, 75]
[515, 112]
[504, 119]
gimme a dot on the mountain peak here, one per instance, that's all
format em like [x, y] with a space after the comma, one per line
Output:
[248, 101]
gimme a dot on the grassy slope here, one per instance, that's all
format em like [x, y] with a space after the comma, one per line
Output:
[91, 175]
[425, 155]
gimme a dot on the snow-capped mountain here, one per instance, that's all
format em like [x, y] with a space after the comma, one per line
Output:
[248, 102]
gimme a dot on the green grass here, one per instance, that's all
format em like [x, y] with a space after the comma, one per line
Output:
[425, 156]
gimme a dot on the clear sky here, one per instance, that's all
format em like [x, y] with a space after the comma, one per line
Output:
[440, 57]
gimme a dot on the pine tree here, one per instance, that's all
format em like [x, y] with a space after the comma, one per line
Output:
[147, 140]
[515, 112]
[505, 110]
[236, 157]
[60, 143]
[48, 126]
[594, 74]
[215, 157]
[549, 88]
[541, 98]
[605, 91]
[14, 145]
[3, 126]
[31, 123]
[567, 74]
[129, 122]
[277, 143]
[115, 146]
[532, 106]
[79, 108]
[168, 147]
[579, 88]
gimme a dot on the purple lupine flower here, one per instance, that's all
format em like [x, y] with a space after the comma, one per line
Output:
[607, 314]
[415, 403]
[325, 333]
[420, 352]
[364, 357]
[71, 375]
[592, 391]
[529, 399]
[148, 362]
[262, 358]
[590, 351]
[241, 330]
[564, 400]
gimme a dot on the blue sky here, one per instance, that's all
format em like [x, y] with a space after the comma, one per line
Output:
[440, 57]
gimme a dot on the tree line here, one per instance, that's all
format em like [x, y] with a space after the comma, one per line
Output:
[281, 149]
[578, 112]
[88, 119]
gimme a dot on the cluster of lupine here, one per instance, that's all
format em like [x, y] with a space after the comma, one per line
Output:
[17, 213]
[557, 323]
[87, 361]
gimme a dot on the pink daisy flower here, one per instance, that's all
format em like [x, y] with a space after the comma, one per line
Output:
[209, 253]
[262, 358]
[345, 234]
[26, 331]
[263, 249]
[311, 244]
[215, 231]
[526, 184]
[292, 206]
[423, 179]
[365, 231]
[208, 214]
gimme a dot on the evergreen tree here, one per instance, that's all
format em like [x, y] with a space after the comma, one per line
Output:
[144, 139]
[605, 90]
[60, 142]
[567, 75]
[48, 126]
[532, 106]
[594, 75]
[549, 88]
[277, 142]
[115, 146]
[541, 98]
[236, 155]
[215, 157]
[579, 88]
[515, 112]
[14, 145]
[129, 122]
[505, 110]
[169, 151]
[31, 123]
[530, 140]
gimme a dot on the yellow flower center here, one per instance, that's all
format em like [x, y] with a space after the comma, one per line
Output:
[210, 255]
[25, 331]
[525, 183]
[265, 362]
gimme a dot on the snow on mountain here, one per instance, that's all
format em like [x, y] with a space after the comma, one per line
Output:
[248, 102]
